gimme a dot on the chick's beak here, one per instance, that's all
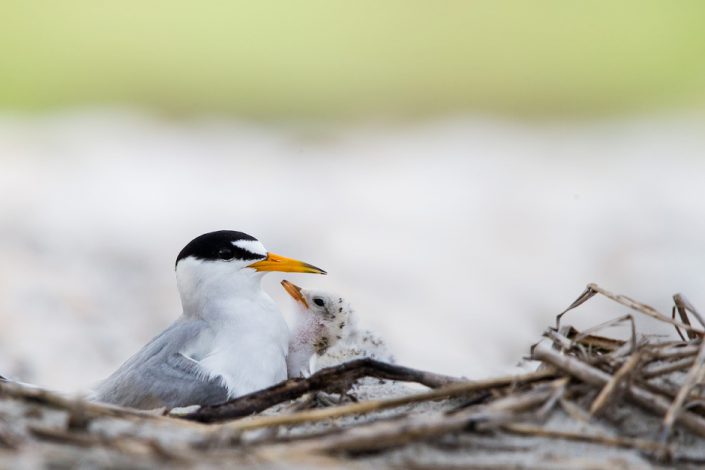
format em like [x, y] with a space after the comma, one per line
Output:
[294, 291]
[274, 262]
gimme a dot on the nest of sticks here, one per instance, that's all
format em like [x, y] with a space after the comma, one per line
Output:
[637, 401]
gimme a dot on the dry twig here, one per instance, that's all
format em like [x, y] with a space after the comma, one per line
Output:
[385, 434]
[331, 379]
[448, 391]
[695, 375]
[662, 368]
[643, 308]
[608, 390]
[586, 373]
[683, 304]
[532, 430]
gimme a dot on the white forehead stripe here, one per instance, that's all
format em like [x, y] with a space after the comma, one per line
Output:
[253, 246]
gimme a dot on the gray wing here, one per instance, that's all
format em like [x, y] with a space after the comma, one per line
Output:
[160, 376]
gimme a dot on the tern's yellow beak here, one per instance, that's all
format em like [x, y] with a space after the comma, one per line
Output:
[294, 291]
[275, 262]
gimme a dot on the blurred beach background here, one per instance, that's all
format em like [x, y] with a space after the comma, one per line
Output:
[462, 169]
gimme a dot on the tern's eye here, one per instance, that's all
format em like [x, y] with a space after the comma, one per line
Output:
[225, 253]
[318, 301]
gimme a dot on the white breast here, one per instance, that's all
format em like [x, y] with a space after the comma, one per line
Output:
[247, 338]
[248, 350]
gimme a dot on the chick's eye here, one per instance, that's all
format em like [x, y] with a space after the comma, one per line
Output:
[318, 301]
[225, 253]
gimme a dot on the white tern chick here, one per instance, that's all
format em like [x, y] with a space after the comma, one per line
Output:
[324, 330]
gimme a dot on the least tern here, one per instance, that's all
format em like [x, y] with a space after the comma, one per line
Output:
[325, 330]
[230, 340]
[319, 323]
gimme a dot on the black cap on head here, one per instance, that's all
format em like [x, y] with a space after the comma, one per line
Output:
[219, 246]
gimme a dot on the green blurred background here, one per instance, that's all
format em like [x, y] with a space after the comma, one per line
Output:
[351, 59]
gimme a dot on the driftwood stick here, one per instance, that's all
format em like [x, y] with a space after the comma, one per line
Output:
[626, 442]
[386, 434]
[662, 368]
[578, 369]
[560, 341]
[649, 401]
[676, 352]
[574, 411]
[333, 379]
[695, 375]
[448, 391]
[611, 386]
[80, 406]
[670, 391]
[136, 446]
[559, 387]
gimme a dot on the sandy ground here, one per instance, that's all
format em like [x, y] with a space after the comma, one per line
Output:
[456, 239]
[39, 436]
